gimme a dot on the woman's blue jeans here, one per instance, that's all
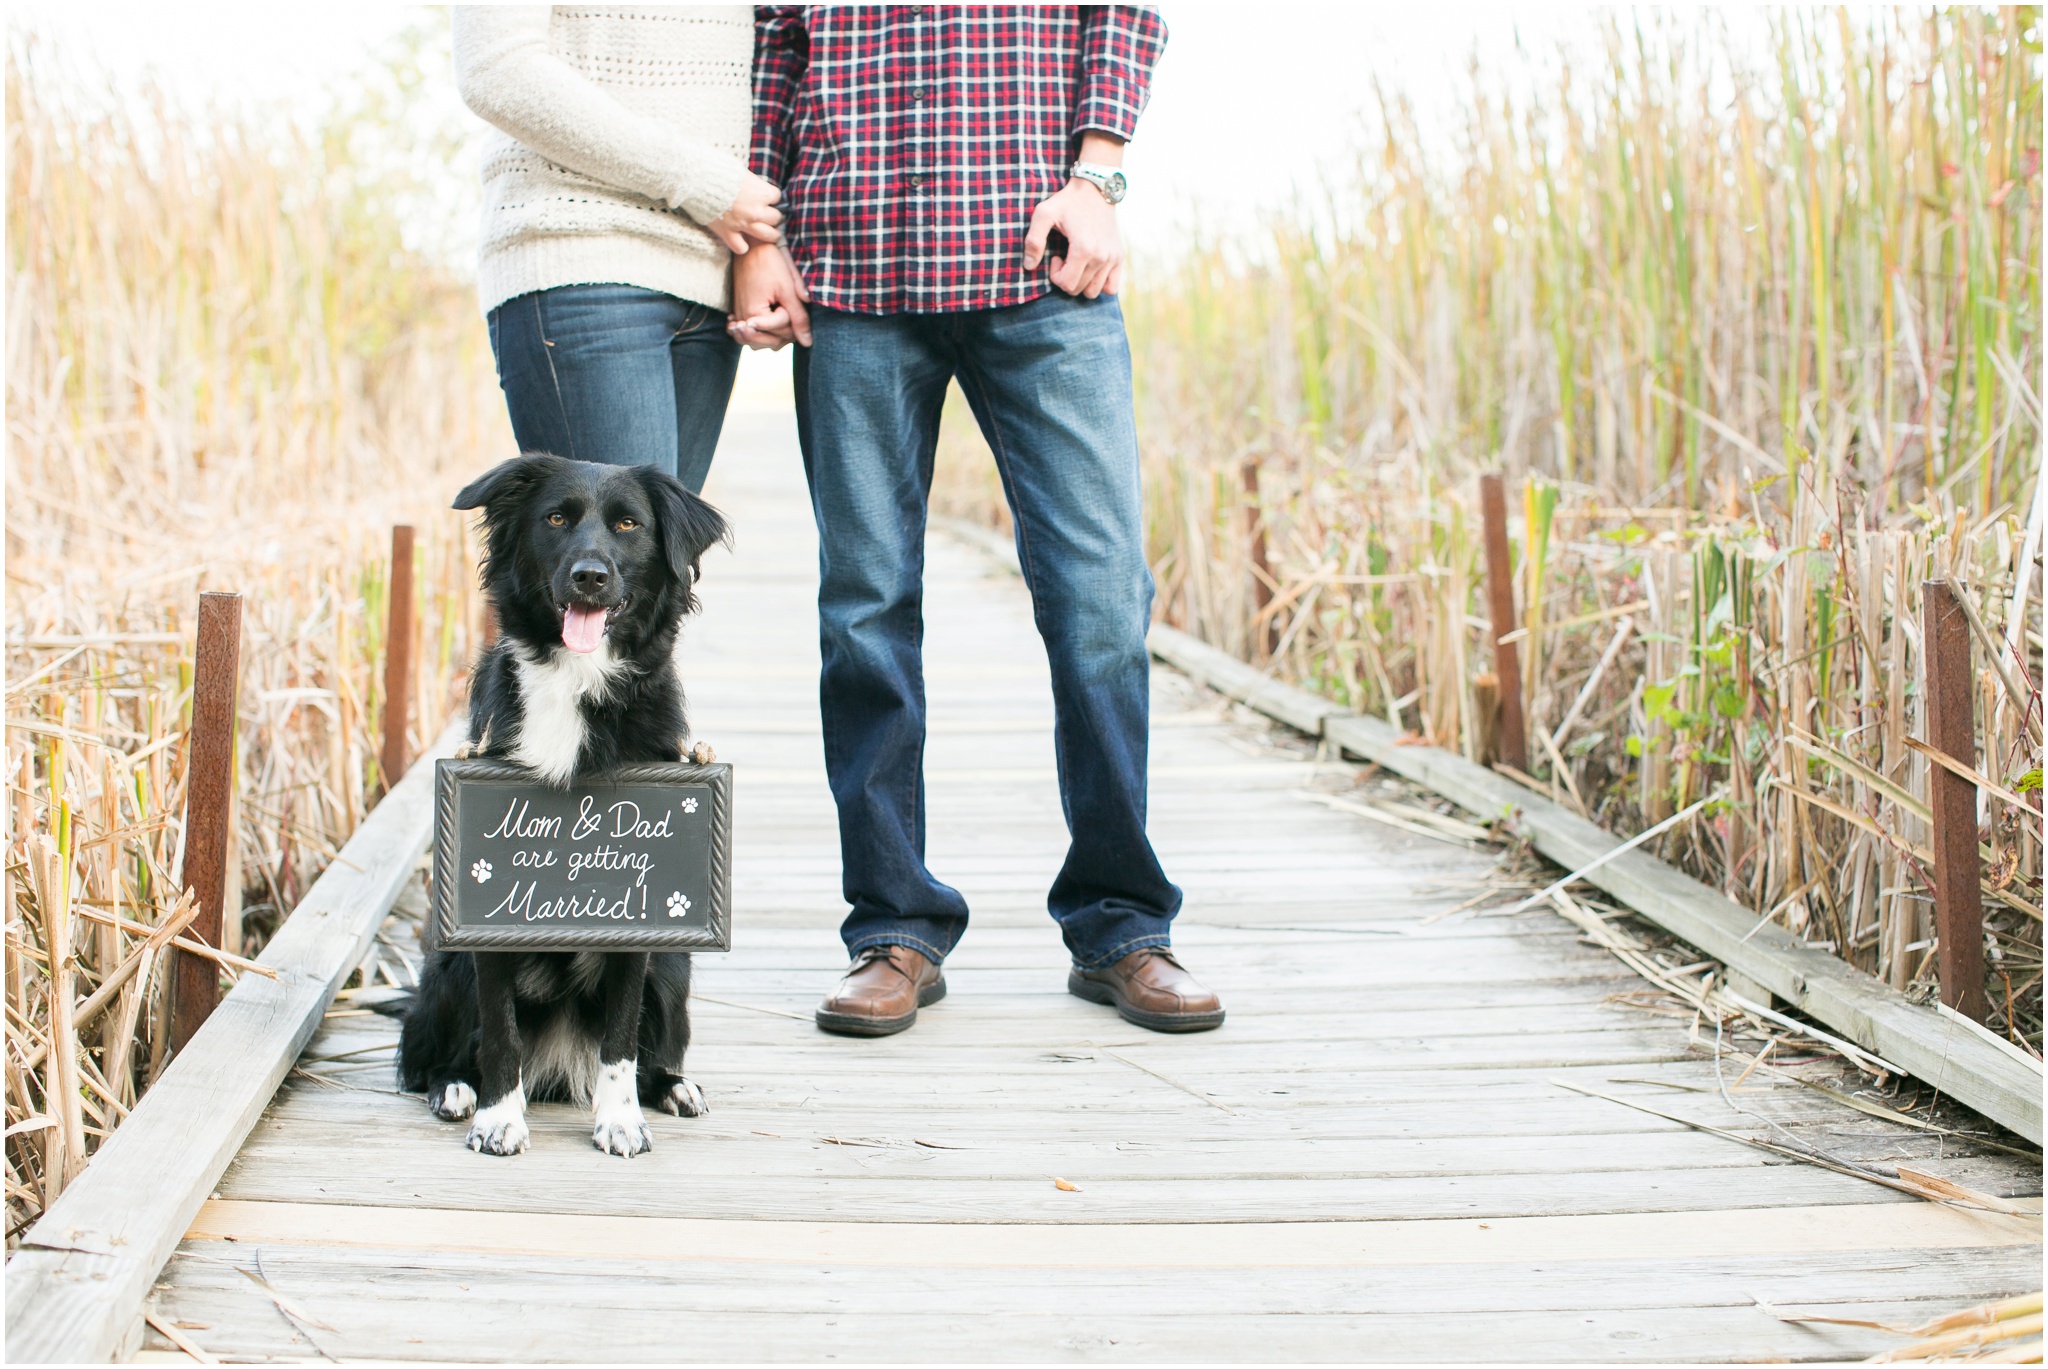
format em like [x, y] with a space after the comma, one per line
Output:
[616, 374]
[1050, 384]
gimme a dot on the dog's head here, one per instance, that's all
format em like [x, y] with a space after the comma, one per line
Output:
[576, 552]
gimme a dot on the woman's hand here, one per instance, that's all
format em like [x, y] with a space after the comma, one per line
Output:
[752, 218]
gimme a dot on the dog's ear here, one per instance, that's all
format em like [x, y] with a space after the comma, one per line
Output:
[506, 482]
[689, 527]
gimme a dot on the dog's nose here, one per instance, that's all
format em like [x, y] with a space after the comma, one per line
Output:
[590, 576]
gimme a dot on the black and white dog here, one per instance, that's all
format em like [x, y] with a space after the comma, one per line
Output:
[590, 569]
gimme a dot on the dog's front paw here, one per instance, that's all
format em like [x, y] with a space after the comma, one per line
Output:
[623, 1132]
[683, 1098]
[702, 754]
[503, 1137]
[500, 1129]
[452, 1102]
[617, 1128]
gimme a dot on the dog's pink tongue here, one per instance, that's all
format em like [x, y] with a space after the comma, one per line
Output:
[582, 628]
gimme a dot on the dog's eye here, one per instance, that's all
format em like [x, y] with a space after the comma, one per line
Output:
[627, 524]
[556, 520]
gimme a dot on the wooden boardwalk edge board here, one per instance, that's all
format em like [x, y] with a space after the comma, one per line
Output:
[76, 1286]
[1208, 1245]
[1964, 1065]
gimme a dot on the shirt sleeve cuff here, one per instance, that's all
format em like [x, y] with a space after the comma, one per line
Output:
[1108, 108]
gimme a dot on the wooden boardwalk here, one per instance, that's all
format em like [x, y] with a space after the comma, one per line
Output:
[1370, 1160]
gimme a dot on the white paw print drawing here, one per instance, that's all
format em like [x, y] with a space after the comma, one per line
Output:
[481, 872]
[689, 805]
[678, 904]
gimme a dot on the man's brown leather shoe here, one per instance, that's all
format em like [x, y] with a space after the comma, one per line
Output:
[1150, 988]
[882, 991]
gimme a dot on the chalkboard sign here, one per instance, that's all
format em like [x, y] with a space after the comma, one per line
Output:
[633, 859]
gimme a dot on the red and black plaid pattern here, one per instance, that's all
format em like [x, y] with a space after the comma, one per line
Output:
[912, 142]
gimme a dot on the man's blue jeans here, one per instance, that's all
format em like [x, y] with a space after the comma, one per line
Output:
[616, 374]
[1050, 384]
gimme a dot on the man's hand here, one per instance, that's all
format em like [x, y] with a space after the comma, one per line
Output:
[768, 298]
[752, 218]
[1094, 261]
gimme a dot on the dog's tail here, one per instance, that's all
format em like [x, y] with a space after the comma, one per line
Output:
[397, 1006]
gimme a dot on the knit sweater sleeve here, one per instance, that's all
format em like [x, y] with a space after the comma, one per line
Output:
[509, 78]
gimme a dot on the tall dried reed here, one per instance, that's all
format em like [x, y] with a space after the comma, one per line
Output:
[1757, 336]
[225, 370]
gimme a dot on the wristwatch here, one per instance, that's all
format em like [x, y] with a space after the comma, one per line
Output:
[1108, 179]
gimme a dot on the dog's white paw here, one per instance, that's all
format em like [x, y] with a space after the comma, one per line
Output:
[452, 1102]
[684, 1099]
[617, 1128]
[622, 1133]
[500, 1129]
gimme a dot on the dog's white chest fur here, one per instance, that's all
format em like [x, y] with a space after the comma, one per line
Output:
[552, 688]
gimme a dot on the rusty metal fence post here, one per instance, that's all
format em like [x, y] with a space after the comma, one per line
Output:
[398, 635]
[1952, 730]
[1512, 740]
[209, 805]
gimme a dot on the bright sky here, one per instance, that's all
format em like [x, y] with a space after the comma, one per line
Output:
[1250, 102]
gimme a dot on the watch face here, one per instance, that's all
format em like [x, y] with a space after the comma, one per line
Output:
[1116, 187]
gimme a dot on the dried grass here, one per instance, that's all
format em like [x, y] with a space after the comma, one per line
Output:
[225, 370]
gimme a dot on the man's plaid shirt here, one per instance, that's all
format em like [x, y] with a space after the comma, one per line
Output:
[912, 142]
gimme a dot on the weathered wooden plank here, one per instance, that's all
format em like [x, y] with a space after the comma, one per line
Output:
[1454, 975]
[679, 1284]
[275, 1146]
[1328, 1040]
[1151, 1116]
[1706, 1233]
[438, 1172]
[481, 1327]
[75, 1287]
[1292, 1142]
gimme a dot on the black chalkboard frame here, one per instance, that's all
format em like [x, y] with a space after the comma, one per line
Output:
[442, 932]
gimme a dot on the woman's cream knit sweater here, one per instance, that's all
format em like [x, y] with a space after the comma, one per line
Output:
[621, 132]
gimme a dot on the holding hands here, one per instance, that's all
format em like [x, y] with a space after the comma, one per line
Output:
[768, 298]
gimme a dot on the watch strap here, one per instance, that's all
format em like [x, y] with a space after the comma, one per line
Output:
[1110, 180]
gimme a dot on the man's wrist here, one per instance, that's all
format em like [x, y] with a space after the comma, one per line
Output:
[1109, 181]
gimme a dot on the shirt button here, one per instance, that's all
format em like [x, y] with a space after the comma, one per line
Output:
[917, 92]
[916, 181]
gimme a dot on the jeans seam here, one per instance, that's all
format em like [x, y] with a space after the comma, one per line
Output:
[1000, 452]
[554, 379]
[916, 774]
[1136, 943]
[918, 944]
